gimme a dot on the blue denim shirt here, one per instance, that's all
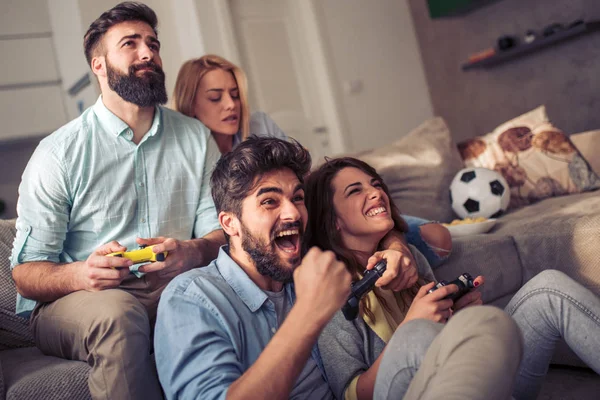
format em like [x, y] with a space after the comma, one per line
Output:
[213, 323]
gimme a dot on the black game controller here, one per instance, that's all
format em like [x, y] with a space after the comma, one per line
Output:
[464, 283]
[362, 287]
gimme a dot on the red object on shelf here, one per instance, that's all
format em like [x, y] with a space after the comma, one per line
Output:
[482, 55]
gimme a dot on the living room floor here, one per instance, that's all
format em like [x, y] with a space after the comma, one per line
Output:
[570, 383]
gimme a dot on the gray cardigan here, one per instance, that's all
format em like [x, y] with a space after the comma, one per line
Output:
[349, 348]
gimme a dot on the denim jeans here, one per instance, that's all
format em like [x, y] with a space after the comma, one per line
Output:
[547, 308]
[474, 356]
[413, 236]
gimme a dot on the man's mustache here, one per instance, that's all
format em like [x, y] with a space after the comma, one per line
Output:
[146, 65]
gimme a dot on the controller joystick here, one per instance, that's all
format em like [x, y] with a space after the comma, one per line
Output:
[362, 287]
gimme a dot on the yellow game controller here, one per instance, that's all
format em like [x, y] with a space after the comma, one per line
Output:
[144, 254]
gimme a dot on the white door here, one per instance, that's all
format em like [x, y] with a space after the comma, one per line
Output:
[276, 56]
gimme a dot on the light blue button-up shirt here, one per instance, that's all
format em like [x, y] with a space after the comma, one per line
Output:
[88, 184]
[212, 325]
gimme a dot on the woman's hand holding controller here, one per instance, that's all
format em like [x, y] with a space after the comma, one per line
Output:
[401, 271]
[473, 297]
[432, 306]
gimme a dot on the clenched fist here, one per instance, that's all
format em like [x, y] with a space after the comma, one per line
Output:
[322, 284]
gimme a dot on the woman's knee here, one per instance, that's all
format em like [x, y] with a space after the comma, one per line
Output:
[437, 237]
[550, 278]
[414, 337]
[487, 320]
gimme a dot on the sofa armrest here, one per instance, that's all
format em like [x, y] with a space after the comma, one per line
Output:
[14, 330]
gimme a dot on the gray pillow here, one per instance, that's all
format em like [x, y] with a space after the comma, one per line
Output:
[418, 169]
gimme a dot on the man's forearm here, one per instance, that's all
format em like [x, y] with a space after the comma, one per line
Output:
[284, 358]
[208, 247]
[394, 240]
[46, 281]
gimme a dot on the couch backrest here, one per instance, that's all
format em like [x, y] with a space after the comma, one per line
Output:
[14, 330]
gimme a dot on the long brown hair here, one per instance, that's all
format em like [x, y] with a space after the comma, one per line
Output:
[322, 221]
[188, 80]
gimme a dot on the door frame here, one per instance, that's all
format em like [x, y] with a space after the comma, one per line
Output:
[308, 19]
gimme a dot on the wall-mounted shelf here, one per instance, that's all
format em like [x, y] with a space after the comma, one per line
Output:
[538, 44]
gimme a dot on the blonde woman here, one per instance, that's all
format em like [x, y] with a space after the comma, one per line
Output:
[215, 91]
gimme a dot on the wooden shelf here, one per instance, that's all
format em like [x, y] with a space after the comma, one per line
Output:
[538, 44]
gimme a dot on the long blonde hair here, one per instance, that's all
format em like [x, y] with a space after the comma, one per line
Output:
[188, 80]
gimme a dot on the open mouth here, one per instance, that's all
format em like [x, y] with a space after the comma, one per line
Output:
[288, 241]
[231, 118]
[375, 211]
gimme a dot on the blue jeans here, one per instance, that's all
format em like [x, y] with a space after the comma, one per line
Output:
[547, 308]
[413, 236]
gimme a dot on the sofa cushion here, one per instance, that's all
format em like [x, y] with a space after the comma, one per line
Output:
[418, 169]
[536, 159]
[494, 256]
[14, 330]
[558, 233]
[33, 375]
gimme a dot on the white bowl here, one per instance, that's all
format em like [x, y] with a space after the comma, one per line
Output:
[471, 229]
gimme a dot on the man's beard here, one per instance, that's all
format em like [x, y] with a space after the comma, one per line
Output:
[145, 90]
[264, 255]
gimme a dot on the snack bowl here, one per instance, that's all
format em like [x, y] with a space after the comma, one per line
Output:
[474, 228]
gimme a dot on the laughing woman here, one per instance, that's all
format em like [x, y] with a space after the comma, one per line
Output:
[350, 210]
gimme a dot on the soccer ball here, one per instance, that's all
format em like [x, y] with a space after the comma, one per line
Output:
[479, 192]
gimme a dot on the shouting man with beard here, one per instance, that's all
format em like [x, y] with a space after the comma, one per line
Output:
[126, 173]
[239, 328]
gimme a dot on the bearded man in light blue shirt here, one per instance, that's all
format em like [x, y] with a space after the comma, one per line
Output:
[126, 173]
[238, 328]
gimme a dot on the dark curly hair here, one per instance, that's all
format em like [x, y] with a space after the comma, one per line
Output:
[125, 11]
[237, 173]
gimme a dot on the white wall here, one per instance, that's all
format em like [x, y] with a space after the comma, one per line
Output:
[217, 38]
[373, 61]
[377, 68]
[30, 91]
[373, 57]
[67, 29]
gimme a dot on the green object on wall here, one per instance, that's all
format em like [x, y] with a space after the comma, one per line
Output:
[444, 8]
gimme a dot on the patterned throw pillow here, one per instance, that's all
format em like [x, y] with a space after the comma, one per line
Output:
[537, 159]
